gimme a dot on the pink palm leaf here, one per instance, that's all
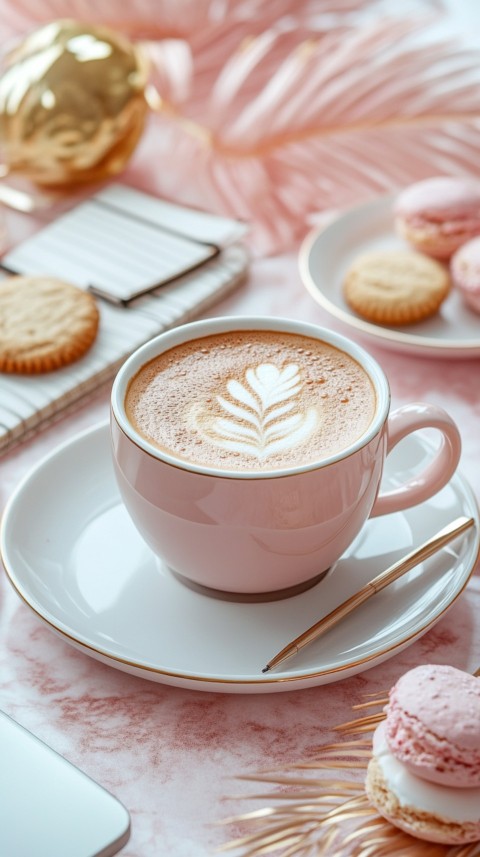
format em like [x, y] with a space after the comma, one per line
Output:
[294, 122]
[274, 121]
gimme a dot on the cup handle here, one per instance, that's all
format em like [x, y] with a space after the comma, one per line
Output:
[437, 473]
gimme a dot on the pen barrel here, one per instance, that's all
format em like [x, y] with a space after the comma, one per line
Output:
[443, 537]
[334, 616]
[422, 553]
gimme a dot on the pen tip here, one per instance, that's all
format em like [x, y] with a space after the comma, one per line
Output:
[266, 669]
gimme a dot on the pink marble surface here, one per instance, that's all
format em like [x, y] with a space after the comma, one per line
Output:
[172, 755]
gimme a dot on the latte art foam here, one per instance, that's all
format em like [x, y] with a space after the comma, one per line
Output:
[262, 414]
[251, 400]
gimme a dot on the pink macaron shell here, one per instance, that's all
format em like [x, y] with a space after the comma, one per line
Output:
[465, 270]
[433, 725]
[439, 214]
[430, 835]
[440, 199]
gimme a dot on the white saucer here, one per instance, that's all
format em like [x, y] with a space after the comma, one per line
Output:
[327, 253]
[73, 555]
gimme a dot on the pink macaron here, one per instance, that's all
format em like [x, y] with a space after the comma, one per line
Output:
[465, 271]
[436, 216]
[433, 725]
[424, 773]
[423, 809]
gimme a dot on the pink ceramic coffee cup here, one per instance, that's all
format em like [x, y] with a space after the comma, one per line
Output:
[268, 533]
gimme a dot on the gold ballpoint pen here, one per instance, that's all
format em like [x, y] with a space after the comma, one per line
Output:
[443, 537]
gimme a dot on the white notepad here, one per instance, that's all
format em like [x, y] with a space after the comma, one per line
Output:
[153, 265]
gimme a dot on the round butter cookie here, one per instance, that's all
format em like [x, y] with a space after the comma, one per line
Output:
[44, 324]
[395, 287]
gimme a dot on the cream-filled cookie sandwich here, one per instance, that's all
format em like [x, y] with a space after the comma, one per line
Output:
[424, 775]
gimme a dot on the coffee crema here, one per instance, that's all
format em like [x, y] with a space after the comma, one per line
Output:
[251, 400]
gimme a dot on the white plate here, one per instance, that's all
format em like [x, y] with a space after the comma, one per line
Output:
[325, 256]
[73, 555]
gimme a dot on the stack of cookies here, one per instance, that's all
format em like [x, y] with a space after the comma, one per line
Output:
[440, 219]
[424, 774]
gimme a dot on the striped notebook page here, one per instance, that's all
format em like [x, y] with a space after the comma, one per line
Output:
[120, 262]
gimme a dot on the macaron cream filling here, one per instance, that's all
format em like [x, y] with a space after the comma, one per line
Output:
[456, 805]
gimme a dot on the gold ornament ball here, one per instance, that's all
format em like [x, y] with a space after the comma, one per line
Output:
[72, 104]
